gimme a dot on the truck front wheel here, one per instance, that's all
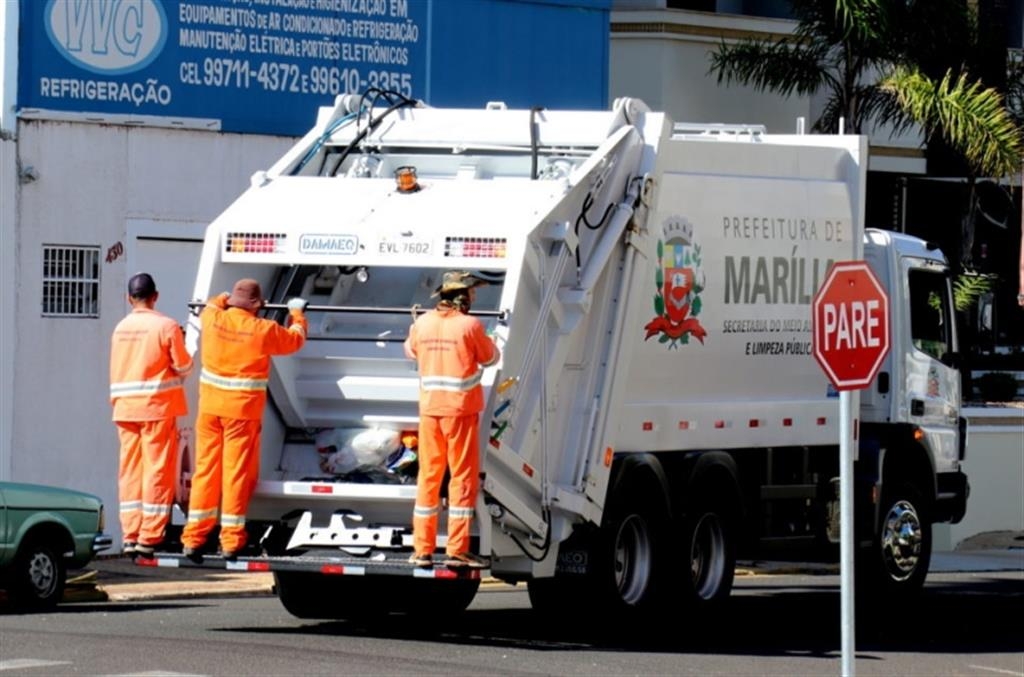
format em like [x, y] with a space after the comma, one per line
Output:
[901, 549]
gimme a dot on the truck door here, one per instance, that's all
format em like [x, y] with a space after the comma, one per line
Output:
[933, 383]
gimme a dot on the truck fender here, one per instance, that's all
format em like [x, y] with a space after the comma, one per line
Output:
[640, 467]
[714, 468]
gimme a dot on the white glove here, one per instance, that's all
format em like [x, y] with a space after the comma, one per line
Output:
[297, 305]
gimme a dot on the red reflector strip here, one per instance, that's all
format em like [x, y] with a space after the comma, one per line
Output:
[787, 422]
[648, 426]
[146, 562]
[719, 424]
[322, 489]
[527, 470]
[754, 423]
[332, 569]
[684, 425]
[821, 420]
[257, 566]
[445, 573]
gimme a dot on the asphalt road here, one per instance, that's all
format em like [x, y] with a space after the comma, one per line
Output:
[964, 624]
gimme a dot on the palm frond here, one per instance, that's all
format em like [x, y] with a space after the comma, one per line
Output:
[968, 286]
[970, 117]
[783, 66]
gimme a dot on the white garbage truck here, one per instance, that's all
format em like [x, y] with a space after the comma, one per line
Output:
[657, 412]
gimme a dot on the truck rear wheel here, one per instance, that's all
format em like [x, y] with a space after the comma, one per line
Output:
[319, 596]
[629, 564]
[708, 553]
[901, 549]
[432, 597]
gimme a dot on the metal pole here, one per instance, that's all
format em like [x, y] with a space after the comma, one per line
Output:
[848, 401]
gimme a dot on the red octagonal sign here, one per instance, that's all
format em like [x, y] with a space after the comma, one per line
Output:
[850, 322]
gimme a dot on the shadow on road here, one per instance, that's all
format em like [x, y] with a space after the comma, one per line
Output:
[981, 616]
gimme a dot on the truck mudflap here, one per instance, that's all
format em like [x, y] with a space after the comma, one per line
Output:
[335, 565]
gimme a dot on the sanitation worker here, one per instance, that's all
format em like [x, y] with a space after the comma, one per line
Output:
[450, 347]
[236, 346]
[148, 365]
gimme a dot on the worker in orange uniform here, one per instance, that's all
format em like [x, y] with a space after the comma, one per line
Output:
[236, 346]
[148, 364]
[450, 347]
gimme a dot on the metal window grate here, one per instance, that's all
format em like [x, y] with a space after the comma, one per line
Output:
[71, 281]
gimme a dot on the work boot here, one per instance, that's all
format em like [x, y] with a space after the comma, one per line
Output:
[466, 560]
[128, 549]
[145, 551]
[422, 561]
[193, 555]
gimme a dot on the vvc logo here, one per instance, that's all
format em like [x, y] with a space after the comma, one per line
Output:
[107, 36]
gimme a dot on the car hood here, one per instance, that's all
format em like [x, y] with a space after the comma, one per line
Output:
[22, 495]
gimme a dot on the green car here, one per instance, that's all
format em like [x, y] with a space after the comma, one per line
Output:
[44, 531]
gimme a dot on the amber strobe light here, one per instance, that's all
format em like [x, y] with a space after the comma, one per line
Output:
[405, 178]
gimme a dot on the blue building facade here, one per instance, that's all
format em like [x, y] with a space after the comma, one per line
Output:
[264, 66]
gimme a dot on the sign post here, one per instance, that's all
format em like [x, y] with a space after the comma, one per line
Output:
[850, 324]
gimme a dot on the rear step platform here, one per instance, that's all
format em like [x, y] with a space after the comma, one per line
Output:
[332, 564]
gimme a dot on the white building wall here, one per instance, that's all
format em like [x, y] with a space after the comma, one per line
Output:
[94, 182]
[8, 335]
[662, 57]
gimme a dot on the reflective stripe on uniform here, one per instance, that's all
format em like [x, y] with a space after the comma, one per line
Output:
[200, 515]
[226, 383]
[451, 383]
[232, 520]
[129, 506]
[424, 511]
[156, 509]
[129, 388]
[461, 513]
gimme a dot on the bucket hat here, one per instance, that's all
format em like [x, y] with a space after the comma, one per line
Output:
[247, 294]
[455, 280]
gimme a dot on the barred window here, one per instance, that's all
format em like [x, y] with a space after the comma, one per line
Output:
[71, 281]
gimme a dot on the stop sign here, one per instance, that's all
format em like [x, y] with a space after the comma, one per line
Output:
[850, 321]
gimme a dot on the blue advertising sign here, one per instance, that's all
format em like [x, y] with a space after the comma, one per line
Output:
[255, 65]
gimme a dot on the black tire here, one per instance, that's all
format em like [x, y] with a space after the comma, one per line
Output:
[431, 597]
[324, 597]
[629, 561]
[37, 577]
[557, 596]
[897, 562]
[708, 553]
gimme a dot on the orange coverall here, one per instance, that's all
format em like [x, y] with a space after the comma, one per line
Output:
[148, 364]
[450, 349]
[236, 346]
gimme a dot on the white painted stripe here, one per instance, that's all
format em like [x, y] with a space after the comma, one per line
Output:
[355, 571]
[237, 566]
[156, 673]
[422, 573]
[22, 663]
[166, 562]
[999, 671]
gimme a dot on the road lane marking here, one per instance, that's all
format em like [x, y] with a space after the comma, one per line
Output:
[23, 663]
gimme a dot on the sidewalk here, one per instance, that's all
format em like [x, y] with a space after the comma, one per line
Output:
[118, 579]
